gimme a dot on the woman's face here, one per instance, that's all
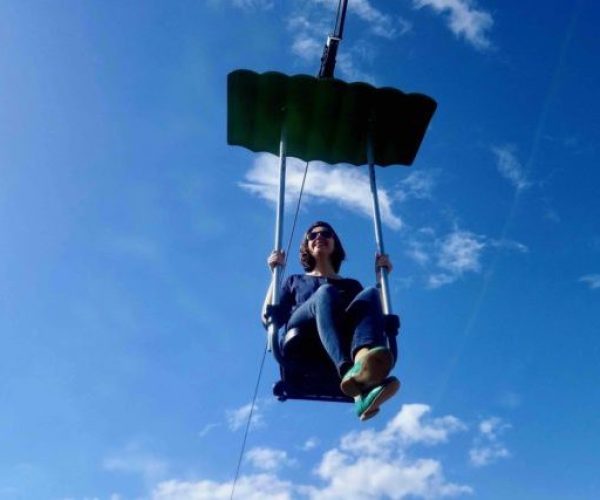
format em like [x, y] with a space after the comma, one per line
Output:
[320, 241]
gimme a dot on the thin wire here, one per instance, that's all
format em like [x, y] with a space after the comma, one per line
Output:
[262, 363]
[287, 252]
[237, 471]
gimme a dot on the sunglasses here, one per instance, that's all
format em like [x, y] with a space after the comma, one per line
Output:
[314, 234]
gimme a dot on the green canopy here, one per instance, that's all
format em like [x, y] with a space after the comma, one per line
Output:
[325, 119]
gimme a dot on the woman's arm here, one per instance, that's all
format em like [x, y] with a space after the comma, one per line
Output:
[382, 261]
[276, 258]
[267, 302]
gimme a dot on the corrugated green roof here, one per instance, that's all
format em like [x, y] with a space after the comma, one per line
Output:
[325, 119]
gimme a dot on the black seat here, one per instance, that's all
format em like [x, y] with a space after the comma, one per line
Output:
[307, 372]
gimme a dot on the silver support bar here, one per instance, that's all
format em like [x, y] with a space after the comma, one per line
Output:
[385, 288]
[273, 341]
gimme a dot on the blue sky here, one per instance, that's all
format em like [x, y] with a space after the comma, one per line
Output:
[133, 257]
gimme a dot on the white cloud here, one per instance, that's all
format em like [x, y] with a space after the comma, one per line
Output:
[460, 252]
[379, 23]
[347, 186]
[207, 429]
[418, 184]
[410, 426]
[309, 39]
[417, 251]
[438, 280]
[370, 464]
[307, 47]
[487, 446]
[133, 246]
[464, 20]
[310, 444]
[252, 487]
[448, 258]
[509, 245]
[311, 24]
[132, 460]
[253, 4]
[365, 465]
[510, 167]
[348, 63]
[268, 459]
[238, 418]
[510, 400]
[592, 280]
[369, 478]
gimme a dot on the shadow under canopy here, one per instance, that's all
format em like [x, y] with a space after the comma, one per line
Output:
[331, 121]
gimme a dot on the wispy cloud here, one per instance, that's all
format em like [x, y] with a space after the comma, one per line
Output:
[350, 67]
[458, 253]
[307, 35]
[410, 426]
[207, 429]
[510, 399]
[310, 444]
[417, 251]
[378, 22]
[310, 26]
[249, 487]
[487, 446]
[253, 4]
[136, 247]
[364, 464]
[347, 186]
[309, 38]
[510, 167]
[448, 258]
[464, 20]
[377, 464]
[268, 459]
[133, 460]
[592, 280]
[236, 419]
[419, 184]
[509, 245]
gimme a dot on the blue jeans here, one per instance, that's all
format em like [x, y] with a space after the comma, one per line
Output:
[342, 330]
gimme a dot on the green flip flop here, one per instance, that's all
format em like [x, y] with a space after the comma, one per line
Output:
[367, 405]
[367, 372]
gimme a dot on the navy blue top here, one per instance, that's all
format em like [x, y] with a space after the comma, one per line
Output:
[297, 289]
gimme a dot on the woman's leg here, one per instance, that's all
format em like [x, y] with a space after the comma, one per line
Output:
[372, 359]
[366, 316]
[324, 309]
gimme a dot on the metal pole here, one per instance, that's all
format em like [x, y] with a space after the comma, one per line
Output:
[341, 19]
[385, 289]
[273, 342]
[331, 47]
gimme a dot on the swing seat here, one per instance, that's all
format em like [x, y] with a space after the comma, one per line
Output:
[307, 372]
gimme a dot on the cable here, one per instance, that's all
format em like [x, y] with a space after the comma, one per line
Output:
[237, 471]
[262, 363]
[287, 251]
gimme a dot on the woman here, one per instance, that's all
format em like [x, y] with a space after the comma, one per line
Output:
[349, 319]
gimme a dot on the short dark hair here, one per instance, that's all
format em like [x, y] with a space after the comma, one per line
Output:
[308, 261]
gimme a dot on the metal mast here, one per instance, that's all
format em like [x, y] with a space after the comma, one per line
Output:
[333, 41]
